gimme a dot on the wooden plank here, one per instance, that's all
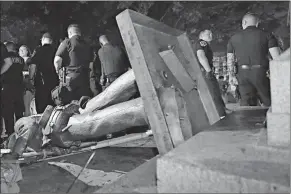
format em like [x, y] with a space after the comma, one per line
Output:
[185, 123]
[147, 142]
[145, 39]
[141, 20]
[145, 82]
[178, 70]
[170, 108]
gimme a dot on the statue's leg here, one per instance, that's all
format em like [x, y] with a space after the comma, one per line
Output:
[113, 119]
[121, 90]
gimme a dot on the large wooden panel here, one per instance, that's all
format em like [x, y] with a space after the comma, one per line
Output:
[145, 39]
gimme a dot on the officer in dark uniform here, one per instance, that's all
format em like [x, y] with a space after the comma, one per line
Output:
[204, 55]
[6, 61]
[95, 74]
[12, 89]
[114, 61]
[5, 64]
[42, 72]
[250, 47]
[75, 81]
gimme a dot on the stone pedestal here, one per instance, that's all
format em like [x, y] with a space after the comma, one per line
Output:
[225, 162]
[278, 117]
[278, 128]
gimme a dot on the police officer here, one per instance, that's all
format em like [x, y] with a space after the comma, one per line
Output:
[12, 89]
[95, 74]
[114, 61]
[74, 56]
[42, 73]
[5, 63]
[204, 55]
[250, 47]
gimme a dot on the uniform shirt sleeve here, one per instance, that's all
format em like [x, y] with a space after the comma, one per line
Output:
[4, 52]
[35, 58]
[272, 41]
[91, 55]
[200, 45]
[62, 50]
[230, 48]
[97, 65]
[100, 55]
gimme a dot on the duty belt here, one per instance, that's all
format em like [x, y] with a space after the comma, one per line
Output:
[76, 69]
[250, 66]
[112, 77]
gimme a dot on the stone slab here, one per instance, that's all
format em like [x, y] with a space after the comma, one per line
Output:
[225, 162]
[241, 119]
[140, 180]
[278, 125]
[280, 86]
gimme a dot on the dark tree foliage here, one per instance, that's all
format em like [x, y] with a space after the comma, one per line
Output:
[24, 22]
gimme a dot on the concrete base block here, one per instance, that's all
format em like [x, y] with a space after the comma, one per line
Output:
[140, 180]
[280, 86]
[278, 125]
[225, 162]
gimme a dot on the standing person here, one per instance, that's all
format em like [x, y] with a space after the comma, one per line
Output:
[114, 61]
[95, 74]
[74, 58]
[5, 63]
[250, 47]
[12, 89]
[24, 52]
[204, 55]
[42, 73]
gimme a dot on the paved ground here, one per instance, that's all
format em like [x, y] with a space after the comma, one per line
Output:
[42, 177]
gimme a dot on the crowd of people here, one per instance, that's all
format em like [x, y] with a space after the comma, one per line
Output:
[55, 75]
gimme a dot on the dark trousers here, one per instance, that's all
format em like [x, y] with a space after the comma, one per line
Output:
[254, 85]
[43, 98]
[95, 86]
[215, 92]
[11, 105]
[78, 85]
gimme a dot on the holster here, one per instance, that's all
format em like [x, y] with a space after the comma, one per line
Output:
[108, 79]
[61, 93]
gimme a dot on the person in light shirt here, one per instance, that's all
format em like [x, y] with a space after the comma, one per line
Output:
[25, 53]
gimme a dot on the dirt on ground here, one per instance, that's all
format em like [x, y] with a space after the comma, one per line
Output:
[42, 177]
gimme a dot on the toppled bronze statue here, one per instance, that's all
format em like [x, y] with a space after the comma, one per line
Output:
[111, 111]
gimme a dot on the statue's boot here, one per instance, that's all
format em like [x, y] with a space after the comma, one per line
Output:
[27, 134]
[121, 90]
